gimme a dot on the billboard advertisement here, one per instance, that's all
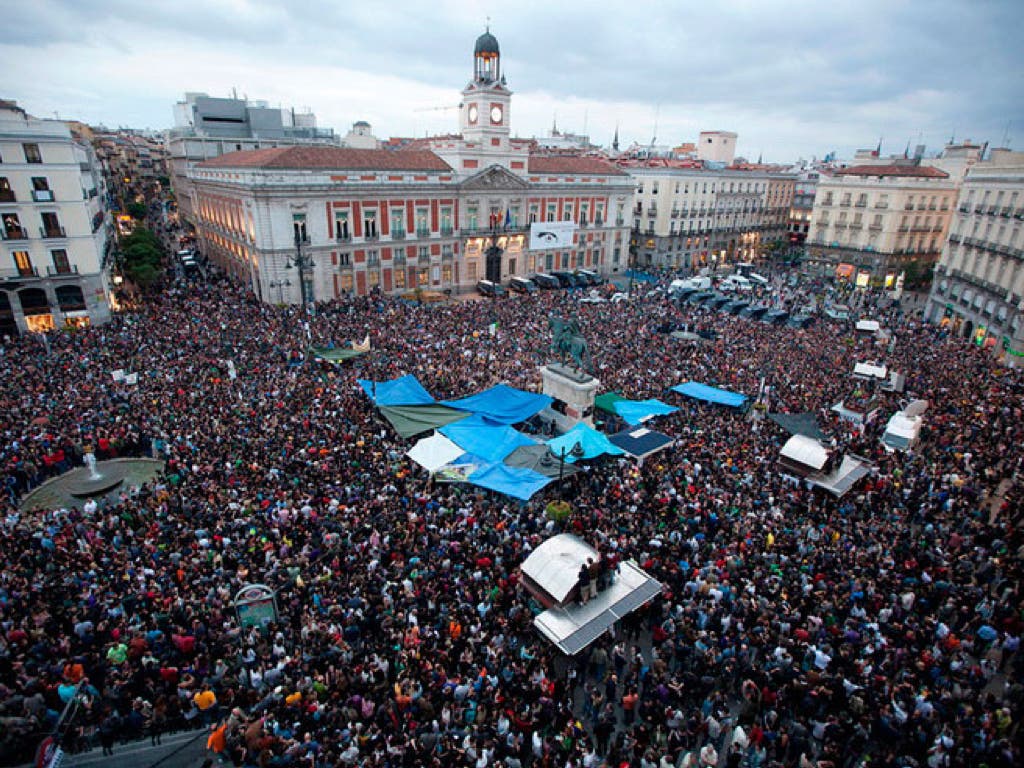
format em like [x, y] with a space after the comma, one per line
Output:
[551, 234]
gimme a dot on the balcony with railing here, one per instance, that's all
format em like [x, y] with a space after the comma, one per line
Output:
[52, 233]
[652, 212]
[446, 230]
[343, 237]
[422, 232]
[881, 206]
[68, 270]
[861, 204]
[19, 273]
[875, 227]
[14, 233]
[371, 237]
[397, 233]
[598, 221]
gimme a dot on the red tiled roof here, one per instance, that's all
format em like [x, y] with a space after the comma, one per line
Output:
[913, 171]
[575, 165]
[330, 158]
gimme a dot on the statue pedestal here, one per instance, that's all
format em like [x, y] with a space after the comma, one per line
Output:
[573, 391]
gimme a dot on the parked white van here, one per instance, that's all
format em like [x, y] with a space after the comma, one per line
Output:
[735, 283]
[690, 283]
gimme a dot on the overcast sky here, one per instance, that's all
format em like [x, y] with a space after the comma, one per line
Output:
[794, 79]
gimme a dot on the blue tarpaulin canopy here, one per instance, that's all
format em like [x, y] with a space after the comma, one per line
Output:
[484, 438]
[710, 394]
[502, 404]
[518, 482]
[637, 411]
[405, 390]
[592, 442]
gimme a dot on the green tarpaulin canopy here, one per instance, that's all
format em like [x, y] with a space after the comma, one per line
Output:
[409, 420]
[607, 401]
[335, 355]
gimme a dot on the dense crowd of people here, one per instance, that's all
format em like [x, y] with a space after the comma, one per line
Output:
[794, 628]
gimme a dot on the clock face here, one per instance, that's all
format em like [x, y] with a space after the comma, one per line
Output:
[472, 113]
[495, 114]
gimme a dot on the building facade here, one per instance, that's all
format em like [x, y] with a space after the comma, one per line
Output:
[55, 227]
[880, 219]
[688, 217]
[207, 127]
[439, 215]
[802, 208]
[978, 290]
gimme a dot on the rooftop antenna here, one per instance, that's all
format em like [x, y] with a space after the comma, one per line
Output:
[234, 92]
[657, 113]
[584, 122]
[1006, 134]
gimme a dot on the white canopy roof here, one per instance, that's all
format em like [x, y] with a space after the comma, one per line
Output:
[870, 371]
[434, 452]
[868, 326]
[554, 566]
[806, 451]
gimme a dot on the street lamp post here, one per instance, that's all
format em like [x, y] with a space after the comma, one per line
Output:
[301, 262]
[280, 285]
[576, 452]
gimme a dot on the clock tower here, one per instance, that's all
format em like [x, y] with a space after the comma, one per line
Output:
[484, 114]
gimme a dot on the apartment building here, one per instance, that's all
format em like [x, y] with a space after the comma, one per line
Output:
[55, 227]
[978, 289]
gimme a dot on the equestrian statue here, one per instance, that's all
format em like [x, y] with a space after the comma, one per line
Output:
[568, 342]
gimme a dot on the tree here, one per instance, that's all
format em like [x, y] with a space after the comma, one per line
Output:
[136, 210]
[142, 257]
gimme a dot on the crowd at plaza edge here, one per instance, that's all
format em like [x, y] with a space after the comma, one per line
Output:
[794, 628]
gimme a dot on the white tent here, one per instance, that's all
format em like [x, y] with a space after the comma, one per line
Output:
[550, 574]
[803, 454]
[870, 371]
[868, 326]
[904, 427]
[434, 452]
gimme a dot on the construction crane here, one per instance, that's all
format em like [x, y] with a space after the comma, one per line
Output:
[437, 109]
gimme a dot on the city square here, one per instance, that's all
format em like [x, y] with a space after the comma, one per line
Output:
[472, 449]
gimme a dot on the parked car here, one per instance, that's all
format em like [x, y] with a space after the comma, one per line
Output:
[754, 312]
[776, 317]
[488, 288]
[543, 280]
[590, 276]
[522, 285]
[567, 279]
[735, 307]
[800, 321]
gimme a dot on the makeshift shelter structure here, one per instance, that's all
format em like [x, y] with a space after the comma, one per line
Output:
[710, 394]
[802, 455]
[411, 420]
[479, 436]
[434, 452]
[550, 574]
[405, 390]
[502, 404]
[640, 442]
[799, 424]
[638, 411]
[592, 443]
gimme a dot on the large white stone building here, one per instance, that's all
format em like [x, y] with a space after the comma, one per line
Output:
[441, 214]
[978, 290]
[880, 219]
[55, 226]
[688, 217]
